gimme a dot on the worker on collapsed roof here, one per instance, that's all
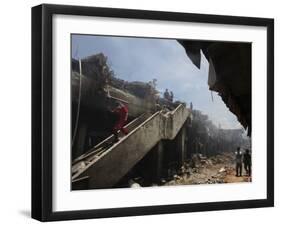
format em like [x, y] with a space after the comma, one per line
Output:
[171, 96]
[238, 161]
[167, 94]
[121, 112]
[191, 106]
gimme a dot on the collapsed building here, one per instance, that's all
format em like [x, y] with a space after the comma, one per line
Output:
[94, 92]
[162, 135]
[208, 139]
[98, 162]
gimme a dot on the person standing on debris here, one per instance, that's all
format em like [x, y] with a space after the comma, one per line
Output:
[238, 160]
[166, 95]
[121, 112]
[247, 160]
[171, 96]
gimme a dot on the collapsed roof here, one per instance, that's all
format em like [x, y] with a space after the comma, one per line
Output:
[229, 74]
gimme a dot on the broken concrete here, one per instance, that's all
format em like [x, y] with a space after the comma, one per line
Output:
[229, 73]
[215, 170]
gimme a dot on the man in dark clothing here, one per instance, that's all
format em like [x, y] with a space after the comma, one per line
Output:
[247, 160]
[191, 106]
[166, 95]
[121, 112]
[238, 161]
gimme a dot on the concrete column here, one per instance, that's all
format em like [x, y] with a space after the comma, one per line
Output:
[158, 161]
[181, 145]
[186, 140]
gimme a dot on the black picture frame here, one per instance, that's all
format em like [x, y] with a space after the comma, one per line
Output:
[42, 107]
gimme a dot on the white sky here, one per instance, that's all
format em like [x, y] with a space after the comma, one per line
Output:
[143, 59]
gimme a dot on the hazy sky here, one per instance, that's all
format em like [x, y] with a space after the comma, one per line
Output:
[142, 59]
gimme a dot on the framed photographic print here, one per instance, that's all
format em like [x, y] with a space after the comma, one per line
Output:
[145, 112]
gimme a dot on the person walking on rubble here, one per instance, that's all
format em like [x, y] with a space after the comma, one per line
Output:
[121, 111]
[238, 161]
[247, 160]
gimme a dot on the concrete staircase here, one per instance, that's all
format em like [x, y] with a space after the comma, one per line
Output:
[116, 160]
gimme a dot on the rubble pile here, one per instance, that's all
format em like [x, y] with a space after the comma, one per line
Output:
[203, 170]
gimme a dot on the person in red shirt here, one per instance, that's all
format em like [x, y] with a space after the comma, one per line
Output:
[121, 112]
